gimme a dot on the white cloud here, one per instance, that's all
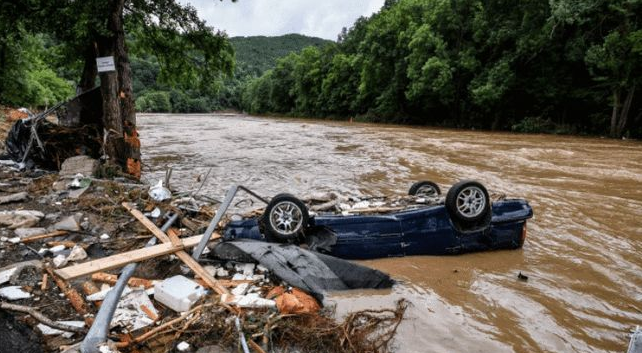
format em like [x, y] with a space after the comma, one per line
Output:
[318, 18]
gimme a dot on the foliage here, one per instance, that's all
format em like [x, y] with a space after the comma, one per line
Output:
[472, 63]
[254, 55]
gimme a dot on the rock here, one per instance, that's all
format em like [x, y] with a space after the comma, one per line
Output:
[178, 293]
[84, 165]
[221, 272]
[57, 249]
[20, 218]
[68, 223]
[20, 196]
[85, 225]
[29, 232]
[183, 346]
[14, 293]
[104, 236]
[60, 261]
[77, 254]
[246, 269]
[14, 240]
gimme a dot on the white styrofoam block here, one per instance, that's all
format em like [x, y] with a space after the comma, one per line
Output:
[178, 293]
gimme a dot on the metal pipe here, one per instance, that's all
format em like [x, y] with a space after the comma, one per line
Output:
[97, 334]
[196, 253]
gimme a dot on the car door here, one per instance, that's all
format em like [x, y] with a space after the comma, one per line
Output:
[428, 231]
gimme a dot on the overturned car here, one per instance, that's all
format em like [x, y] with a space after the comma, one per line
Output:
[466, 220]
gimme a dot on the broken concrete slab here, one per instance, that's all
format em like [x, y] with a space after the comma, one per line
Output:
[84, 165]
[20, 218]
[20, 196]
[17, 271]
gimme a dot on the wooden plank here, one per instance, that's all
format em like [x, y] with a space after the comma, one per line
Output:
[122, 259]
[182, 255]
[43, 236]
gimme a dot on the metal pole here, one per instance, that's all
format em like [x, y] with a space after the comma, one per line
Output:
[217, 218]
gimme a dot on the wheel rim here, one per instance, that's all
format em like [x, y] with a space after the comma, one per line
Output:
[286, 218]
[471, 201]
[427, 191]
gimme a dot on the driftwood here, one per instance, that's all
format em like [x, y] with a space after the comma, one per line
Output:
[41, 318]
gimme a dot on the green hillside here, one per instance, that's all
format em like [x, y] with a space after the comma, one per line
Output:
[254, 56]
[260, 53]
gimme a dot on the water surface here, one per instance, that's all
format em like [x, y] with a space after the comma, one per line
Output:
[582, 253]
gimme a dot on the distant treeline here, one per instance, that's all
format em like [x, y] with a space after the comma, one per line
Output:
[254, 55]
[562, 66]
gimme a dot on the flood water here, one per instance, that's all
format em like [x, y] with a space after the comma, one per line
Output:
[582, 252]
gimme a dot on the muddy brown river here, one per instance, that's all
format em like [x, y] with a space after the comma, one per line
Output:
[582, 252]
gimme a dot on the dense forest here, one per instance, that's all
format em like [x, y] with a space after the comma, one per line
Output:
[559, 66]
[254, 56]
[562, 66]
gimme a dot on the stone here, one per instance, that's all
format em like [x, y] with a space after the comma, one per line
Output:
[130, 313]
[20, 218]
[60, 261]
[29, 232]
[68, 223]
[104, 236]
[20, 196]
[84, 165]
[6, 275]
[77, 254]
[57, 249]
[221, 272]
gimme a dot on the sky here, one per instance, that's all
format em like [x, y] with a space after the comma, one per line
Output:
[316, 18]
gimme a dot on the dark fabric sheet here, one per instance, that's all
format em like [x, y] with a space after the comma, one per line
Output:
[311, 271]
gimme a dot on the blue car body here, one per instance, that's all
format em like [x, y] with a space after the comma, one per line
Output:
[423, 231]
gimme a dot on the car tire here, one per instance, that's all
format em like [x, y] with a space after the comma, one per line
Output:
[284, 219]
[424, 188]
[468, 202]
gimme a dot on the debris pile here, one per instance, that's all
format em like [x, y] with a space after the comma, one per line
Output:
[96, 265]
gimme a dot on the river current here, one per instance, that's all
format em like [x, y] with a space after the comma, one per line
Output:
[582, 252]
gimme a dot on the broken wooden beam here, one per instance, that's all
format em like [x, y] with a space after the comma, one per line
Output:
[122, 259]
[182, 255]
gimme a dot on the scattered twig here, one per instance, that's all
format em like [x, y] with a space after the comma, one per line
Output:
[41, 318]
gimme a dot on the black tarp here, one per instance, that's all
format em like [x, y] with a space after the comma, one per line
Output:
[79, 131]
[311, 271]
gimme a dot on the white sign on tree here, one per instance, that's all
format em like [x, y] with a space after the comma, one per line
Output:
[105, 64]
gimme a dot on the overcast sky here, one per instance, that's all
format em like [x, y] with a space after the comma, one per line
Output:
[318, 18]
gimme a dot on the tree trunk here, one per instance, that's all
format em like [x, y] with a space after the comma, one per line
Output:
[89, 73]
[119, 116]
[624, 114]
[616, 103]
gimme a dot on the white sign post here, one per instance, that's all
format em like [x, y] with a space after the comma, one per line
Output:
[105, 64]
